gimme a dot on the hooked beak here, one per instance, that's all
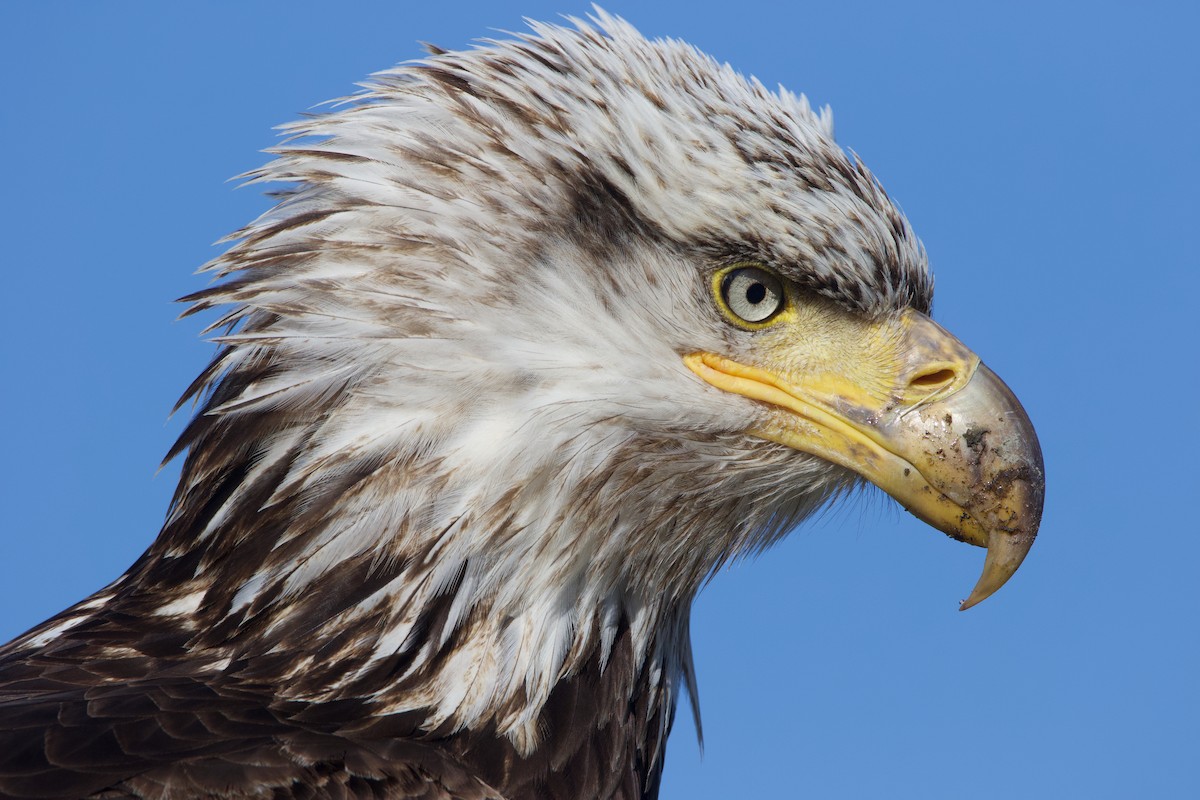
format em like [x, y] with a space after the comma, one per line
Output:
[946, 438]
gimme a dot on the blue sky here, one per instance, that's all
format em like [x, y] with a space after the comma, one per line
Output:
[1047, 153]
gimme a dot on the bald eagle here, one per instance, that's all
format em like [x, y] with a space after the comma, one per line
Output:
[536, 337]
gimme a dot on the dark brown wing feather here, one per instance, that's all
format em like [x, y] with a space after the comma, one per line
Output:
[179, 738]
[80, 719]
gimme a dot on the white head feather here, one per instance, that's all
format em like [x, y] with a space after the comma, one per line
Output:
[449, 433]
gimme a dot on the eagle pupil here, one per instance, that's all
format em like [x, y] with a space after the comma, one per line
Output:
[756, 293]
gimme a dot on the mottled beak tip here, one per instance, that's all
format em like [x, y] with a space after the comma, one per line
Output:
[1007, 485]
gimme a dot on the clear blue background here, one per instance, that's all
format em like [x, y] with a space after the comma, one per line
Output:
[1047, 153]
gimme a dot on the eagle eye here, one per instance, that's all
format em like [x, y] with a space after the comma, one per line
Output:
[750, 295]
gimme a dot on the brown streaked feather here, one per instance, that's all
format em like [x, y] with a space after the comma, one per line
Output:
[184, 736]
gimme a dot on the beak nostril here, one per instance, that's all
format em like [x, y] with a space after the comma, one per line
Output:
[932, 379]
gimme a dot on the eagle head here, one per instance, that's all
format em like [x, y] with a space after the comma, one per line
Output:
[536, 337]
[543, 333]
